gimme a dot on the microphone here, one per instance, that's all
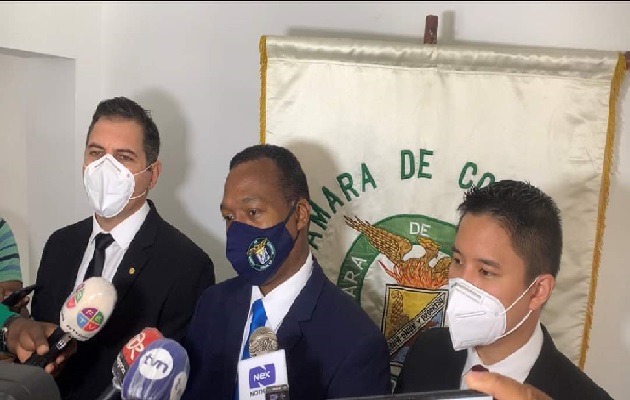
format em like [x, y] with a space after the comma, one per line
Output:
[130, 352]
[161, 373]
[262, 341]
[266, 370]
[82, 316]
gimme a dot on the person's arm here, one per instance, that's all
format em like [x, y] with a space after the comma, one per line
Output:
[23, 337]
[8, 288]
[5, 314]
[10, 271]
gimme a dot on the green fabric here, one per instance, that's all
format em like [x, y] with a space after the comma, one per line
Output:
[9, 257]
[5, 313]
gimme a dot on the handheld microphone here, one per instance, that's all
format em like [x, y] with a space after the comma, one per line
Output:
[130, 352]
[265, 370]
[82, 316]
[161, 373]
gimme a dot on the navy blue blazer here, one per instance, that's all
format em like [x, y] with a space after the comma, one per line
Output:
[333, 348]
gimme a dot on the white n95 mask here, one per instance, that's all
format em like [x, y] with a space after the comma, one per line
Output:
[475, 317]
[109, 185]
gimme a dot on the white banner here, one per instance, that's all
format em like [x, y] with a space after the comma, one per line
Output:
[391, 135]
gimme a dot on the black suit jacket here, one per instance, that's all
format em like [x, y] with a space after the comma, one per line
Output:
[432, 364]
[333, 348]
[170, 273]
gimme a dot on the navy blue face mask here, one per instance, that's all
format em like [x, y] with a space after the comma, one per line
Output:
[256, 254]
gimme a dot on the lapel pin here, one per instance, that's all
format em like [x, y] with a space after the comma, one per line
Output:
[132, 271]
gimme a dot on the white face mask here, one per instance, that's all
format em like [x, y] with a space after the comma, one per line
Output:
[109, 185]
[475, 317]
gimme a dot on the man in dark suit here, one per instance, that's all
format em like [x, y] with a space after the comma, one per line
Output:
[157, 271]
[333, 348]
[505, 261]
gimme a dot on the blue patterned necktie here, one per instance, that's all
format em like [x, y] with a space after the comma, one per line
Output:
[259, 318]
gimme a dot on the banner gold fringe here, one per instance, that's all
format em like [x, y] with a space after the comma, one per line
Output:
[263, 88]
[615, 89]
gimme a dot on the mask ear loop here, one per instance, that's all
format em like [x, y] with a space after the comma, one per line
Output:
[138, 173]
[291, 211]
[512, 305]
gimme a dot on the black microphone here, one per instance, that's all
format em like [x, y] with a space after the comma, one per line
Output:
[277, 392]
[111, 393]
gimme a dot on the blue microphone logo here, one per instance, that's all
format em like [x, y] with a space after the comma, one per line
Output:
[262, 376]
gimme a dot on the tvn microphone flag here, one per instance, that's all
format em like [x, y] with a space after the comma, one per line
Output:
[160, 373]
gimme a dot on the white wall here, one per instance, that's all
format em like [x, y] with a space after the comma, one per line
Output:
[13, 178]
[49, 87]
[196, 66]
[60, 96]
[36, 115]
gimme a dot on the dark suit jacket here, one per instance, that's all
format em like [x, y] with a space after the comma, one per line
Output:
[170, 274]
[333, 348]
[432, 364]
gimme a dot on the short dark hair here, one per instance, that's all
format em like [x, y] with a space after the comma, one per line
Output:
[530, 217]
[292, 178]
[126, 109]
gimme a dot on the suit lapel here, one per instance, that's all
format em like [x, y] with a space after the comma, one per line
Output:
[302, 310]
[237, 314]
[75, 257]
[445, 374]
[454, 375]
[544, 369]
[137, 254]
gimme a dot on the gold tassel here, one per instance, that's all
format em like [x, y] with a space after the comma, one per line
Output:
[263, 88]
[615, 89]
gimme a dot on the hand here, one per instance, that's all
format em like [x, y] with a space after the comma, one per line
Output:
[503, 388]
[20, 307]
[26, 336]
[9, 287]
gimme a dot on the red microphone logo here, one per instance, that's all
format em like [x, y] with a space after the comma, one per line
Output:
[136, 345]
[73, 300]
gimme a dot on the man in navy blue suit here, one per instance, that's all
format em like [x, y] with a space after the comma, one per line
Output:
[333, 348]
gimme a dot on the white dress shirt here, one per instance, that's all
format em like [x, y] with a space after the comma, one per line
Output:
[280, 299]
[517, 365]
[123, 234]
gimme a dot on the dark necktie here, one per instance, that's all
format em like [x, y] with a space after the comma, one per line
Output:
[479, 368]
[95, 268]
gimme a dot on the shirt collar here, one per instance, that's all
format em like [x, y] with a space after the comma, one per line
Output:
[124, 232]
[281, 298]
[518, 364]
